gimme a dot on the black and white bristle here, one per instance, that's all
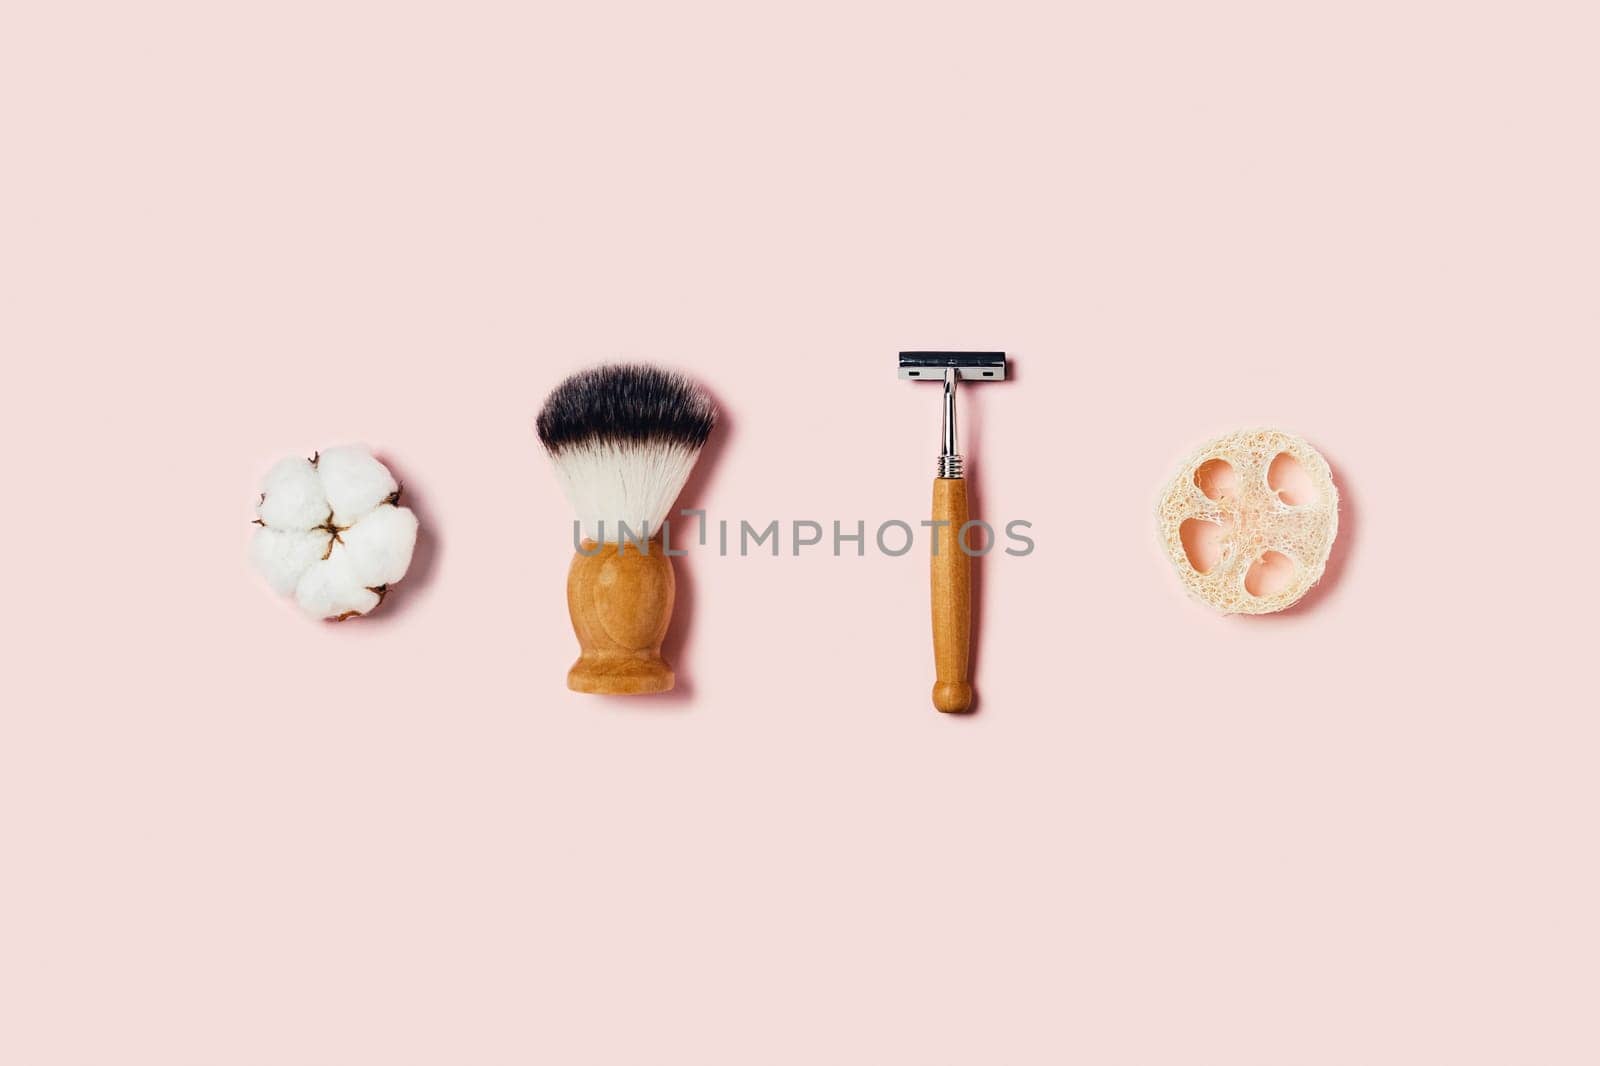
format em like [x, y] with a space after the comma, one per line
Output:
[623, 439]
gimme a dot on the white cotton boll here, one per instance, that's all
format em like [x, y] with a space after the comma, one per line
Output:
[331, 588]
[293, 496]
[353, 481]
[284, 555]
[342, 540]
[379, 545]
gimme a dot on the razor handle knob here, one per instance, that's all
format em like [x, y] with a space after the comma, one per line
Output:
[952, 597]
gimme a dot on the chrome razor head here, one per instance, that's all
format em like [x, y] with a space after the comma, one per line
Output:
[969, 366]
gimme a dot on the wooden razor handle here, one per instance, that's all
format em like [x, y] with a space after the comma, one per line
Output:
[952, 597]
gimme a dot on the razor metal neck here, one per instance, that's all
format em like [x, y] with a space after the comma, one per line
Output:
[949, 452]
[953, 367]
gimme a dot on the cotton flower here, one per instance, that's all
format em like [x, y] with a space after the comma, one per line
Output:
[332, 533]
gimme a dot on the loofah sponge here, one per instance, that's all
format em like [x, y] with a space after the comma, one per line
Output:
[332, 532]
[1249, 521]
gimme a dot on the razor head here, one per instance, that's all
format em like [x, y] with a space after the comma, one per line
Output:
[969, 366]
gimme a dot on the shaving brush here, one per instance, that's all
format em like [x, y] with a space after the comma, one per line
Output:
[623, 440]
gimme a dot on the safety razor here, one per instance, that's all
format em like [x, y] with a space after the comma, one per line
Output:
[951, 570]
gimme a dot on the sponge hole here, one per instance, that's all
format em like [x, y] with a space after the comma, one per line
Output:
[1269, 575]
[1216, 478]
[1202, 542]
[1290, 481]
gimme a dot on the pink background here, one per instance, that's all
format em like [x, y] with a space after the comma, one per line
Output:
[1362, 832]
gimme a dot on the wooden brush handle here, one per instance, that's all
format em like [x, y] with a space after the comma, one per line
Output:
[620, 599]
[952, 597]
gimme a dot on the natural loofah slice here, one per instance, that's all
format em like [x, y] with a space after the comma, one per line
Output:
[1249, 521]
[332, 532]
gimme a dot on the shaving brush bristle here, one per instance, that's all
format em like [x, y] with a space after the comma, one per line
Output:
[623, 439]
